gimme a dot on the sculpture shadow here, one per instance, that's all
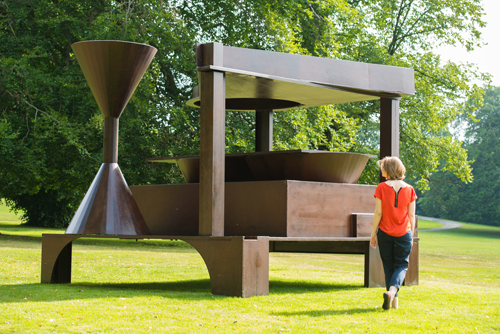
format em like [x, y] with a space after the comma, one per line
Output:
[327, 312]
[291, 286]
[189, 289]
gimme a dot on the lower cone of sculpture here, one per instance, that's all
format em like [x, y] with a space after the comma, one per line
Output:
[108, 207]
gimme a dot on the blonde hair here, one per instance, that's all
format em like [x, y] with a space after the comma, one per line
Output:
[393, 167]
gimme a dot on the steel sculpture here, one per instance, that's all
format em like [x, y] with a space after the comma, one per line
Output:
[237, 208]
[113, 70]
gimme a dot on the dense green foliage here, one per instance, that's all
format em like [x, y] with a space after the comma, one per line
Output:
[477, 202]
[51, 129]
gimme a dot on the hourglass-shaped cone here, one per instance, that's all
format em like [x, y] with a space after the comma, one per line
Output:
[113, 70]
[108, 207]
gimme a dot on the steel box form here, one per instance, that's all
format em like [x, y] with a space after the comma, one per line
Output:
[264, 208]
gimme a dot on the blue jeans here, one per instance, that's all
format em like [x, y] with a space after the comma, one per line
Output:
[395, 254]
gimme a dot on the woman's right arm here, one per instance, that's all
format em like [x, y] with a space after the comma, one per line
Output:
[377, 216]
[411, 215]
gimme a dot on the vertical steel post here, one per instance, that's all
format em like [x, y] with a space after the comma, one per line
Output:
[264, 130]
[389, 128]
[110, 147]
[212, 142]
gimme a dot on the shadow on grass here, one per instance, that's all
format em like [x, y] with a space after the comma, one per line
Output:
[322, 313]
[483, 231]
[289, 286]
[13, 237]
[189, 289]
[102, 242]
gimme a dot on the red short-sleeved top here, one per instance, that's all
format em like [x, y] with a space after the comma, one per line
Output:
[395, 220]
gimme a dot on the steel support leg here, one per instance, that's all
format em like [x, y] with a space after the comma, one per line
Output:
[374, 270]
[412, 273]
[56, 259]
[237, 266]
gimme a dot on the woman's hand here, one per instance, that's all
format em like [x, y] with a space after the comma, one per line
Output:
[374, 241]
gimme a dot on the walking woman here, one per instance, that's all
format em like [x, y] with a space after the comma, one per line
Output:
[394, 219]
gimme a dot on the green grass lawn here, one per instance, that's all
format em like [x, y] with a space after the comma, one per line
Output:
[154, 287]
[427, 224]
[6, 215]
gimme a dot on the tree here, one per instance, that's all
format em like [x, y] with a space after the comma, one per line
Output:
[392, 32]
[478, 202]
[403, 33]
[51, 130]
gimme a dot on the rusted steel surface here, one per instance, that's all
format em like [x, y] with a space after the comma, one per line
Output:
[251, 208]
[308, 216]
[259, 79]
[334, 245]
[362, 224]
[374, 266]
[256, 208]
[169, 209]
[256, 266]
[342, 74]
[110, 147]
[411, 277]
[324, 209]
[264, 130]
[304, 165]
[212, 148]
[236, 169]
[237, 266]
[108, 207]
[113, 69]
[389, 129]
[266, 208]
[322, 166]
[56, 258]
[190, 169]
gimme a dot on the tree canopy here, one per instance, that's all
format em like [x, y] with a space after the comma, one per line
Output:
[477, 202]
[51, 129]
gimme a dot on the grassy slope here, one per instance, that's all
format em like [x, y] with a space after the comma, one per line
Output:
[427, 224]
[6, 215]
[128, 286]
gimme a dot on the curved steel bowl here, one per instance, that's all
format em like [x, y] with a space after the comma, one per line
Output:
[321, 166]
[236, 169]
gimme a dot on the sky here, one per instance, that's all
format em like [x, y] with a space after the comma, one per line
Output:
[486, 58]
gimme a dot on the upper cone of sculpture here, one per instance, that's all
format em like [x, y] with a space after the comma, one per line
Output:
[113, 70]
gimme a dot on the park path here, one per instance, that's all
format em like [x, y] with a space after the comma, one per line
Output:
[448, 225]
